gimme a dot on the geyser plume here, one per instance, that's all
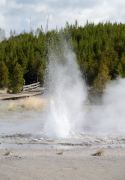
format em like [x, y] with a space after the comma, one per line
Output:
[67, 114]
[66, 93]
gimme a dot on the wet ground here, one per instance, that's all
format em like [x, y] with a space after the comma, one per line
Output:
[22, 128]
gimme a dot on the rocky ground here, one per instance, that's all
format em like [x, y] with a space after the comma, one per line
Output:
[62, 164]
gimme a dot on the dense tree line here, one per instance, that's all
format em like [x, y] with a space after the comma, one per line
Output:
[100, 52]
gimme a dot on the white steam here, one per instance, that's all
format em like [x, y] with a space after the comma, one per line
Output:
[67, 113]
[109, 117]
[67, 95]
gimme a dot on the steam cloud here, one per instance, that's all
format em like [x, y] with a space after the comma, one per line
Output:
[109, 117]
[67, 113]
[67, 94]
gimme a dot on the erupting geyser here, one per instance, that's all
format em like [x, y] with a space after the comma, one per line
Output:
[66, 94]
[67, 115]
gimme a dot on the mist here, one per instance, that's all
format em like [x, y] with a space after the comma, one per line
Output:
[66, 92]
[109, 116]
[68, 113]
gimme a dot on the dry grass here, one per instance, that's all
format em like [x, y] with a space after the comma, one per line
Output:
[31, 103]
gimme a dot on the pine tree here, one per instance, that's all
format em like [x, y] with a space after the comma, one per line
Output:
[102, 78]
[17, 81]
[3, 75]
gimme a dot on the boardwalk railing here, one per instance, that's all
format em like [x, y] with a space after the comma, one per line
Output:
[28, 91]
[31, 87]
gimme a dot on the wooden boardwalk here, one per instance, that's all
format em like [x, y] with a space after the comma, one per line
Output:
[28, 91]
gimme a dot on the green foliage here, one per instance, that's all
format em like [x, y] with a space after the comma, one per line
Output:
[102, 78]
[3, 75]
[100, 52]
[17, 80]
